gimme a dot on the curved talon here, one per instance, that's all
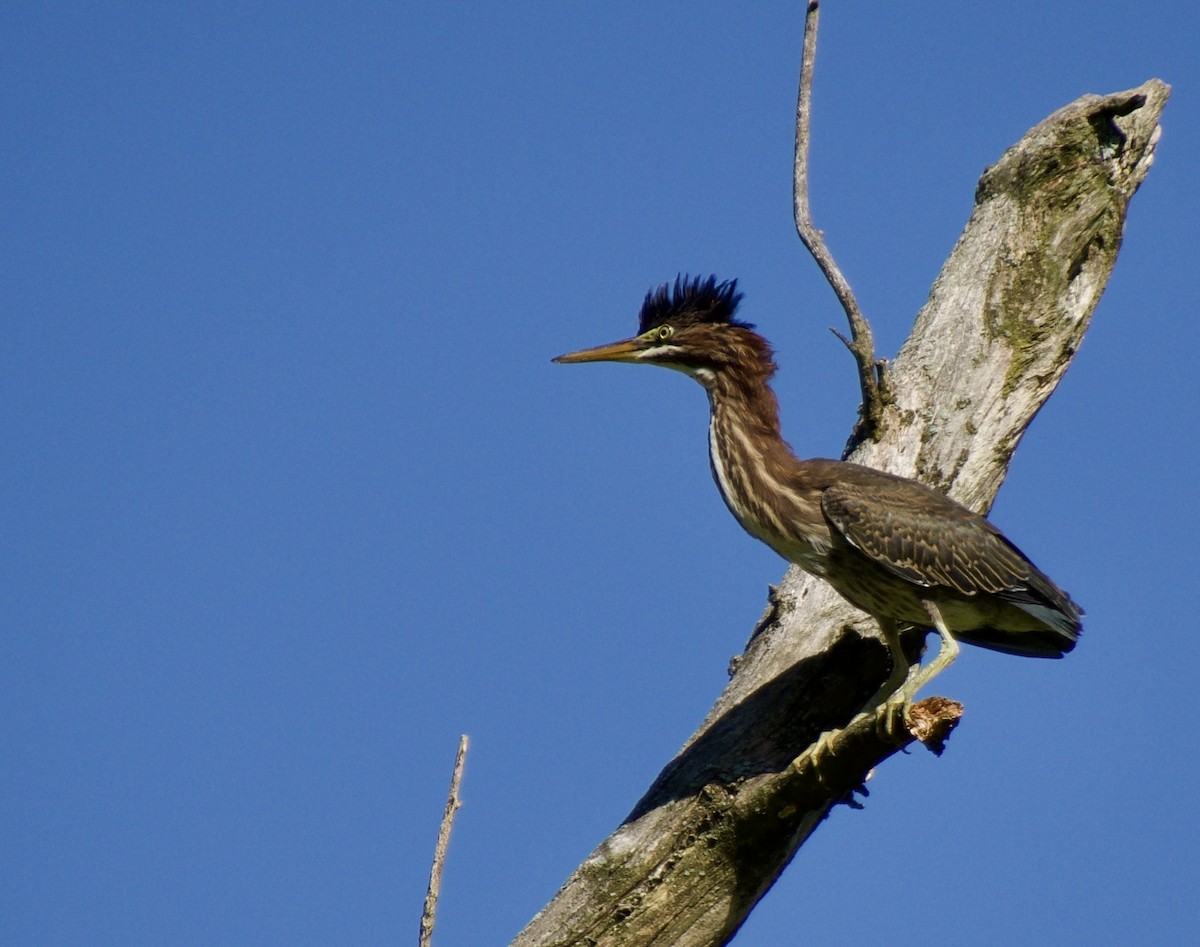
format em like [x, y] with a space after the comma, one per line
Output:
[895, 723]
[821, 749]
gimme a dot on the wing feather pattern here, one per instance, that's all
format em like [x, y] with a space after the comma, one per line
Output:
[926, 538]
[931, 541]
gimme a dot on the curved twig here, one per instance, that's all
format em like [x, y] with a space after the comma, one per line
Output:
[871, 375]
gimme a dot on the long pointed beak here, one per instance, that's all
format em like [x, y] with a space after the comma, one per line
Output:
[623, 351]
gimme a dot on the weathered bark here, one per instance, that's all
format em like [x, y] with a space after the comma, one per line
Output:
[1003, 321]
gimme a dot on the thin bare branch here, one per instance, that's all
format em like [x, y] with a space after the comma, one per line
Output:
[871, 376]
[443, 842]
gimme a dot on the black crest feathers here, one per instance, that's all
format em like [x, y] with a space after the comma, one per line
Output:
[690, 301]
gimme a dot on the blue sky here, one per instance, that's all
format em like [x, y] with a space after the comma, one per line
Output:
[293, 495]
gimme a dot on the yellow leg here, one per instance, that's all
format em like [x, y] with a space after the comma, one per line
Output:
[942, 660]
[892, 691]
[900, 669]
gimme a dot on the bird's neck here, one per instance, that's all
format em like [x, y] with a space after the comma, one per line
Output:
[759, 477]
[746, 412]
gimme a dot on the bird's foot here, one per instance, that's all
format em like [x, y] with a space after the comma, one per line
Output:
[821, 751]
[890, 723]
[890, 704]
[892, 720]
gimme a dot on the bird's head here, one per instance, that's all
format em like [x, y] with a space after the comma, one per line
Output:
[691, 328]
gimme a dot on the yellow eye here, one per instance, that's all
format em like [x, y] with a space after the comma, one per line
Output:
[664, 333]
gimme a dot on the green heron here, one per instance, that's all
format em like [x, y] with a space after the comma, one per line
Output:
[891, 546]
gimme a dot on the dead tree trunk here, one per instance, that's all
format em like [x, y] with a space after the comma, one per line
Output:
[1003, 321]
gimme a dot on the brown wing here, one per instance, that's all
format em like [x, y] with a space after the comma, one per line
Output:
[925, 537]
